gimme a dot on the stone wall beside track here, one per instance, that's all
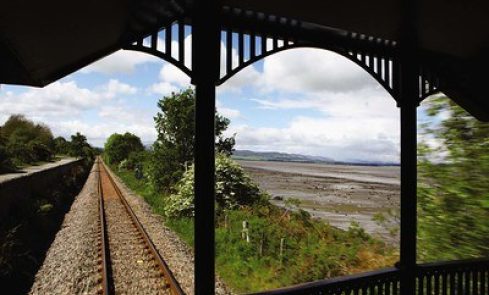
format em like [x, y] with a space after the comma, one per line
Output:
[16, 188]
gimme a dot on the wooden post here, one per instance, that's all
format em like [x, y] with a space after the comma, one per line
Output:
[282, 249]
[205, 72]
[262, 244]
[245, 232]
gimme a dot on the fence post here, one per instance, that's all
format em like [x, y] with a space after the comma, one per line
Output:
[282, 249]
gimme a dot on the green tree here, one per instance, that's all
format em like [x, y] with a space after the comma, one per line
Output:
[453, 188]
[61, 146]
[174, 147]
[79, 147]
[119, 146]
[5, 163]
[39, 150]
[27, 142]
[14, 123]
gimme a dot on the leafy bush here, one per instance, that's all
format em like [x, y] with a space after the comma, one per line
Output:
[61, 146]
[233, 189]
[19, 153]
[5, 162]
[39, 151]
[119, 146]
[123, 165]
[136, 159]
[453, 191]
[165, 170]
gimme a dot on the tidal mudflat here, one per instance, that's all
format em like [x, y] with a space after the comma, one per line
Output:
[338, 194]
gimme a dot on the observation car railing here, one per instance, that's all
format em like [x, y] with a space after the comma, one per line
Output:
[467, 277]
[464, 277]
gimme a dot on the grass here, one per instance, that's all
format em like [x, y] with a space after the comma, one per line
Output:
[311, 249]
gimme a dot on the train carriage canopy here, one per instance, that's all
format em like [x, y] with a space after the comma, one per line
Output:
[42, 41]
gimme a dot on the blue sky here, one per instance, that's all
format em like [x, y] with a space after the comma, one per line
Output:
[305, 101]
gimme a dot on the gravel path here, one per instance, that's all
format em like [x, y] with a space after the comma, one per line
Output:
[70, 266]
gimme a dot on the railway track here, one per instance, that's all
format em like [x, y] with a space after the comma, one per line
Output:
[128, 260]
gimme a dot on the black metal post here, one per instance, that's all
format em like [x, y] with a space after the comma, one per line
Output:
[408, 102]
[205, 72]
[408, 198]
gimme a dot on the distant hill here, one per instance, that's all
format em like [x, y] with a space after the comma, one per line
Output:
[278, 156]
[285, 157]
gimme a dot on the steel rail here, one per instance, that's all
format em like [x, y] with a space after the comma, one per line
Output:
[104, 245]
[165, 271]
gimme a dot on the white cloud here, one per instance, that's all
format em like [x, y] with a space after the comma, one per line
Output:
[349, 127]
[357, 120]
[61, 105]
[114, 87]
[125, 114]
[171, 78]
[300, 70]
[229, 113]
[163, 88]
[173, 75]
[247, 76]
[360, 104]
[339, 138]
[97, 133]
[57, 99]
[115, 117]
[122, 61]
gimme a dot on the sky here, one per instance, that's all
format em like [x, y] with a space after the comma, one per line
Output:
[306, 101]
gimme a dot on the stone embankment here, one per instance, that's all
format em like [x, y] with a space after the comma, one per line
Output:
[16, 188]
[33, 203]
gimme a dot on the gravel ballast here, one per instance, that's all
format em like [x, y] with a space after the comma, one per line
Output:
[133, 267]
[71, 265]
[174, 251]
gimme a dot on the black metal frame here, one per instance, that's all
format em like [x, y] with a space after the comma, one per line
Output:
[396, 66]
[149, 44]
[378, 57]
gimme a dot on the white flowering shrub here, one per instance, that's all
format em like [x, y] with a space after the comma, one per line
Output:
[234, 188]
[123, 165]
